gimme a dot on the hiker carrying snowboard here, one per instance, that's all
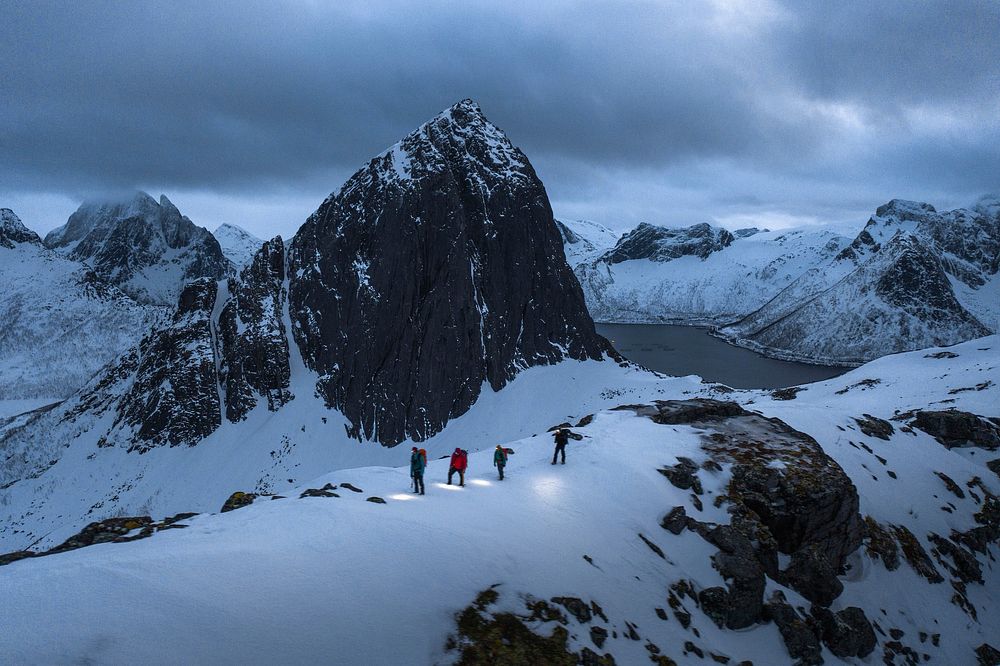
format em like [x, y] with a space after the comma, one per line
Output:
[562, 438]
[418, 462]
[459, 462]
[500, 458]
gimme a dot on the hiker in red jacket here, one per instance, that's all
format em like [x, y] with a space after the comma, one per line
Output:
[459, 461]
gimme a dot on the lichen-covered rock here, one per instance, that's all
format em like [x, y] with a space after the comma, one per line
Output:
[875, 427]
[811, 574]
[238, 500]
[847, 633]
[954, 428]
[800, 640]
[487, 638]
[880, 543]
[915, 554]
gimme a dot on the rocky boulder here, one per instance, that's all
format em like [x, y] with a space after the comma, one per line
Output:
[955, 428]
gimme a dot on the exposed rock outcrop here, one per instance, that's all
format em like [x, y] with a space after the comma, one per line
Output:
[954, 428]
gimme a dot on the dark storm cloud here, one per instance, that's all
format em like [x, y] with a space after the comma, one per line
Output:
[626, 109]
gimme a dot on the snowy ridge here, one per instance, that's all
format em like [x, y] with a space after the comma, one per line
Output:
[602, 518]
[238, 244]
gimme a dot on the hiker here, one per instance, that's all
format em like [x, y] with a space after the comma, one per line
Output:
[459, 461]
[418, 462]
[562, 438]
[500, 459]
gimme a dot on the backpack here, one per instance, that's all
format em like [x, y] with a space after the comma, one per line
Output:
[423, 454]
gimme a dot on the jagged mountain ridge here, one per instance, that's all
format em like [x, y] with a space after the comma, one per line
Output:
[146, 248]
[59, 321]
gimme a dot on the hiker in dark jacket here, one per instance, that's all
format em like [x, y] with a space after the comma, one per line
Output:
[459, 462]
[562, 438]
[417, 465]
[500, 459]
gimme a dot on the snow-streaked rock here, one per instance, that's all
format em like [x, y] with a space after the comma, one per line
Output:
[145, 247]
[59, 321]
[238, 244]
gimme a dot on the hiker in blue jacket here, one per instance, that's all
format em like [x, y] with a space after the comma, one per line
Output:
[417, 465]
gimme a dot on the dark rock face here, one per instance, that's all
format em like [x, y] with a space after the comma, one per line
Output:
[13, 231]
[174, 398]
[800, 640]
[253, 337]
[847, 633]
[662, 244]
[139, 244]
[958, 429]
[445, 246]
[811, 573]
[916, 282]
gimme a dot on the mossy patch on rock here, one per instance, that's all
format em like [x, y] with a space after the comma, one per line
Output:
[491, 638]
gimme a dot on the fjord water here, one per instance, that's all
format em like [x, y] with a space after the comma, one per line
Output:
[688, 350]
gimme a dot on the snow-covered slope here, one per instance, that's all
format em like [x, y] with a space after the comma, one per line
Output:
[584, 240]
[698, 286]
[656, 539]
[148, 249]
[912, 278]
[238, 244]
[59, 321]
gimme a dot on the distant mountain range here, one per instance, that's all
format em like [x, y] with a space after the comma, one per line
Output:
[912, 278]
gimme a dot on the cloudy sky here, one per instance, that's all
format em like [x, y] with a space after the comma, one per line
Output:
[741, 113]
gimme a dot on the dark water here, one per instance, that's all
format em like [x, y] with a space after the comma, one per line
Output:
[687, 350]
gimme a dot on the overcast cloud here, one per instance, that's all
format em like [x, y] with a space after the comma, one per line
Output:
[668, 112]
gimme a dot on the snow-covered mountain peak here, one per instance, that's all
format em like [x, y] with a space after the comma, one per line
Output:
[663, 244]
[147, 248]
[459, 133]
[12, 230]
[904, 210]
[238, 244]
